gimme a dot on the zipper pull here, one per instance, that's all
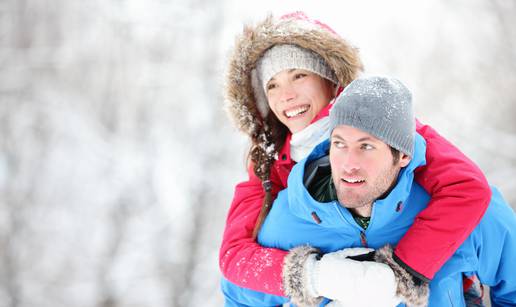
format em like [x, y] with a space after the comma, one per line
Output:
[316, 218]
[363, 239]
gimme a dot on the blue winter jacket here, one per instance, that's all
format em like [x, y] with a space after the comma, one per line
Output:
[489, 252]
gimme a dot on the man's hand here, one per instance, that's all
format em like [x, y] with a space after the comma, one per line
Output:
[337, 277]
[351, 282]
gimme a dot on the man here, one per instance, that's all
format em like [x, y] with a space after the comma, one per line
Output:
[370, 199]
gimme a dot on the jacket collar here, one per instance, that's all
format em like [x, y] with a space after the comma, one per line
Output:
[284, 153]
[303, 205]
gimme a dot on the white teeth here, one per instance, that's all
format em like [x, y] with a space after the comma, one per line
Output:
[354, 180]
[296, 111]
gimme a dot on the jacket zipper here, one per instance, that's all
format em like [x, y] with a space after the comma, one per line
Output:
[363, 239]
[450, 298]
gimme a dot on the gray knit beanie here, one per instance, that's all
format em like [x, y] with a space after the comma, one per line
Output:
[281, 57]
[379, 106]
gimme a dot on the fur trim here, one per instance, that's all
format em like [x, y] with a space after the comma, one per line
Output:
[254, 41]
[408, 290]
[294, 279]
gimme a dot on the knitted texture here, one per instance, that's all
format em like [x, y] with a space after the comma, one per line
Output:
[379, 106]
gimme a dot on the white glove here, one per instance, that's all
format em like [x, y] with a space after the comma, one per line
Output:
[360, 304]
[351, 282]
[335, 304]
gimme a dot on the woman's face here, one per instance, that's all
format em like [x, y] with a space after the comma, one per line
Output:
[296, 96]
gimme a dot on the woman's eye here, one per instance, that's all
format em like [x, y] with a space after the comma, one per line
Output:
[271, 86]
[367, 147]
[300, 75]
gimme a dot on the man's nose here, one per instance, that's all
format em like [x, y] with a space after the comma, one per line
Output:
[351, 162]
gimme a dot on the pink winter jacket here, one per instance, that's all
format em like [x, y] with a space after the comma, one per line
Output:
[460, 195]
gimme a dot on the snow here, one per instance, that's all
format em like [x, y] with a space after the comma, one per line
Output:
[117, 162]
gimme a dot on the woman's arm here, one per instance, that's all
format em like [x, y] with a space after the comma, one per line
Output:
[243, 261]
[460, 195]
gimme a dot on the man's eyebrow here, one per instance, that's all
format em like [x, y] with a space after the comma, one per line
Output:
[366, 138]
[336, 136]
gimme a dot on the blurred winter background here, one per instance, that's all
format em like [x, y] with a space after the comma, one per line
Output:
[117, 161]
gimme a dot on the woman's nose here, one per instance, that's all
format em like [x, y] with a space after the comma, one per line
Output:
[287, 93]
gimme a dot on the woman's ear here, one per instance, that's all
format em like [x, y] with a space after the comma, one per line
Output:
[336, 88]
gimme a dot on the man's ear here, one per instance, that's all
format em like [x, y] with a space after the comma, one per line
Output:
[404, 160]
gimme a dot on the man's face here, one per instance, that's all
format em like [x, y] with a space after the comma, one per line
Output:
[363, 168]
[296, 96]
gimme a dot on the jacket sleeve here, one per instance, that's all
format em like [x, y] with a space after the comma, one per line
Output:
[236, 296]
[243, 261]
[459, 197]
[495, 245]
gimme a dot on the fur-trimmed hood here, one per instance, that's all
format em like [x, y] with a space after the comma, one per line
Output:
[296, 29]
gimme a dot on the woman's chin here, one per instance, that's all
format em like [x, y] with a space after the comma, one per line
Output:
[298, 123]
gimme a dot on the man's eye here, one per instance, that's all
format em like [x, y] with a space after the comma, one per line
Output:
[300, 75]
[338, 144]
[367, 146]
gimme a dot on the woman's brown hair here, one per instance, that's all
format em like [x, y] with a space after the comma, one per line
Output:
[262, 155]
